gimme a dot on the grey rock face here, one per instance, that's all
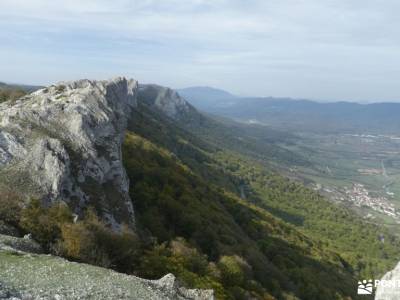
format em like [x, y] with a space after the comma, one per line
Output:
[64, 143]
[166, 100]
[172, 289]
[15, 244]
[389, 289]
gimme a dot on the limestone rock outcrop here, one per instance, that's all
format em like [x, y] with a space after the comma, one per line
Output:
[63, 142]
[389, 289]
[166, 100]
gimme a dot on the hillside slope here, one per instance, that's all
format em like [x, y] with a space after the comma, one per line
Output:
[223, 202]
[206, 207]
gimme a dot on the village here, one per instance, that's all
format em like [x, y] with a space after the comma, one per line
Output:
[360, 196]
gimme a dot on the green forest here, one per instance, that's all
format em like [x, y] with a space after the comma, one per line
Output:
[223, 202]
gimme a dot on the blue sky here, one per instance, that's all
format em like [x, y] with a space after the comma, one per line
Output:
[328, 50]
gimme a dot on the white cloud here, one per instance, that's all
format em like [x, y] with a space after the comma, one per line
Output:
[297, 47]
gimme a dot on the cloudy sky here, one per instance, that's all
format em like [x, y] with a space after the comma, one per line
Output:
[328, 50]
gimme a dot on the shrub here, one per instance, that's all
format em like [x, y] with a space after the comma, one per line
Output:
[91, 241]
[88, 240]
[124, 249]
[155, 262]
[234, 270]
[191, 258]
[11, 94]
[60, 88]
[10, 208]
[45, 223]
[76, 241]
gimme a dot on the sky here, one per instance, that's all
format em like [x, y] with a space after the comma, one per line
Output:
[323, 50]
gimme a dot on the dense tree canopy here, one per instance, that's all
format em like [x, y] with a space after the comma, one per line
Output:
[282, 231]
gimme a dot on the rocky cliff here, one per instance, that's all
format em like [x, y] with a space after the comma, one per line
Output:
[63, 142]
[168, 101]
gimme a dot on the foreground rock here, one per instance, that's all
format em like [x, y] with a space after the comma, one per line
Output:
[64, 143]
[389, 292]
[26, 276]
[14, 244]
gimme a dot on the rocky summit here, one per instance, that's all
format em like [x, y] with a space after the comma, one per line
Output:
[63, 143]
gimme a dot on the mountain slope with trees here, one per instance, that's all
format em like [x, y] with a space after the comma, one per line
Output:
[220, 200]
[208, 208]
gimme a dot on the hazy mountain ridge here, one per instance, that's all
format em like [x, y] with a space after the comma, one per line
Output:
[24, 87]
[203, 97]
[200, 92]
[303, 115]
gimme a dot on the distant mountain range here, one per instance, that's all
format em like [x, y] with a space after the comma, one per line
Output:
[299, 115]
[204, 97]
[23, 87]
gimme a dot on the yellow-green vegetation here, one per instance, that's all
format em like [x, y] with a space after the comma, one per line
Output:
[91, 241]
[336, 228]
[45, 223]
[88, 240]
[10, 94]
[171, 202]
[186, 262]
[10, 207]
[290, 241]
[276, 258]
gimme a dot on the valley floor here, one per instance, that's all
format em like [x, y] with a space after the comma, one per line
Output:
[361, 171]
